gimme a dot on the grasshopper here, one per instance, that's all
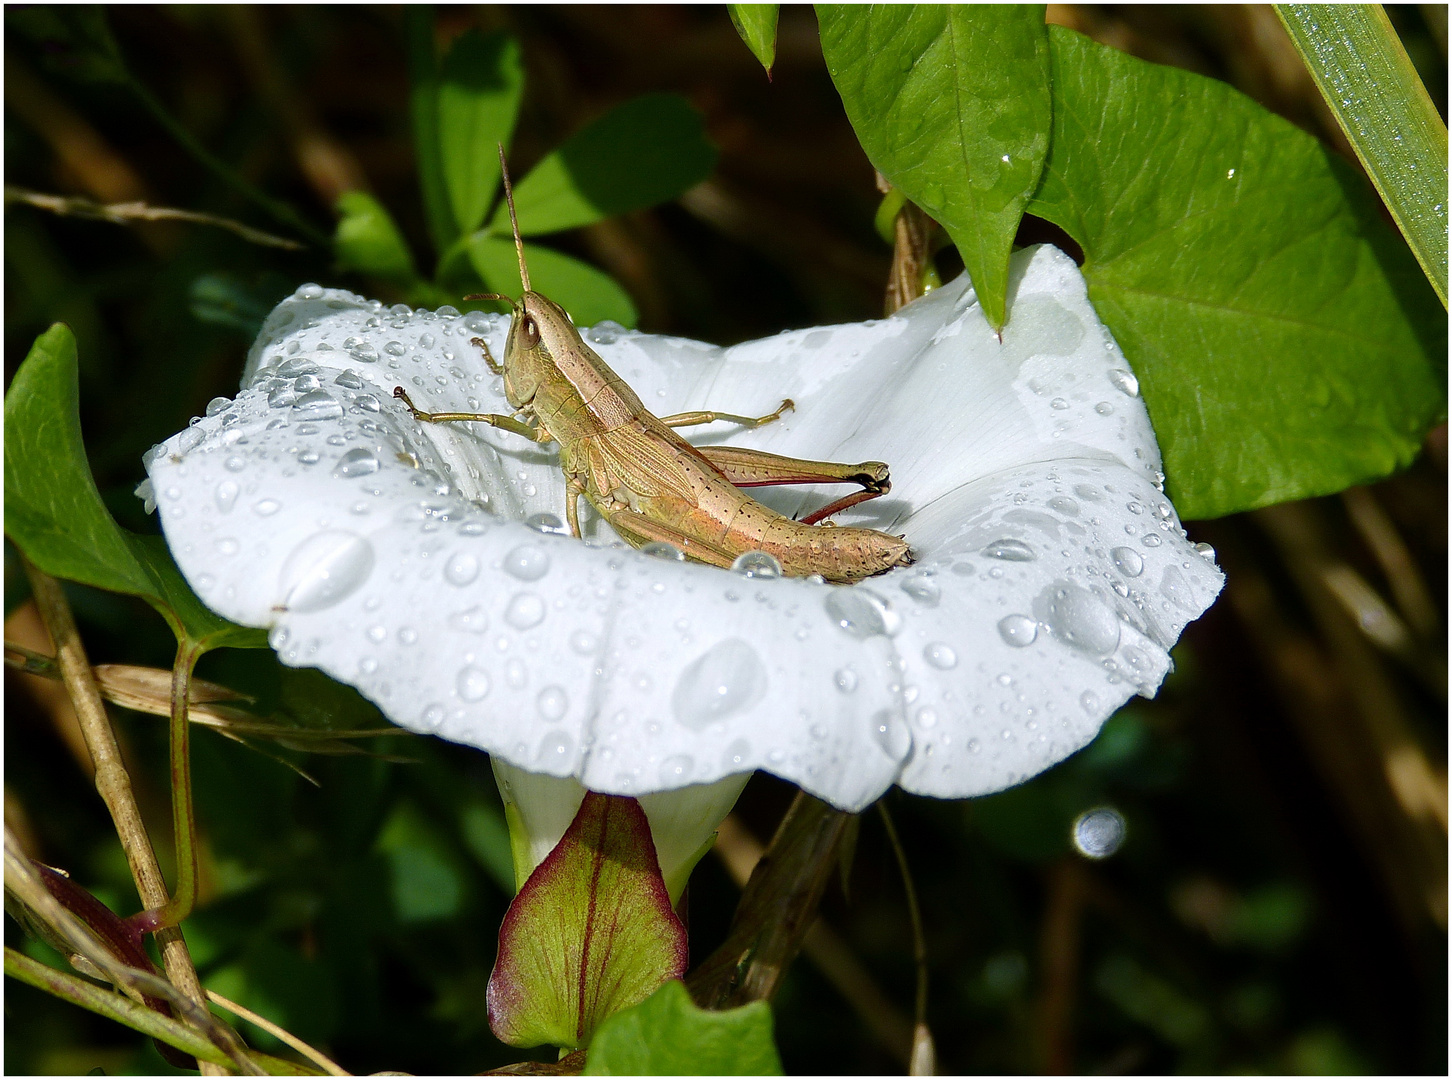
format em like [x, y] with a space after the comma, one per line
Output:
[646, 481]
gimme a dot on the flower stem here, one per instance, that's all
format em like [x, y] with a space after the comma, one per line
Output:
[923, 1054]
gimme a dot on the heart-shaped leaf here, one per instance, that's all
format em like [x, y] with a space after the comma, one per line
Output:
[590, 933]
[667, 1035]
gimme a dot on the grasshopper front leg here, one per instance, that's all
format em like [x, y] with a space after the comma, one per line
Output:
[505, 423]
[756, 468]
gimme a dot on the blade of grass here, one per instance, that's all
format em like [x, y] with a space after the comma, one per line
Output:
[1378, 99]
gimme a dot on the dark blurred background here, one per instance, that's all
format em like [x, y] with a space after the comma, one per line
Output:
[1280, 903]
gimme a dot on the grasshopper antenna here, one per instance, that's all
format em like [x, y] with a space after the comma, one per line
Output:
[513, 219]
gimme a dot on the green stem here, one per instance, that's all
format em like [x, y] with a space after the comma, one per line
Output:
[424, 110]
[920, 944]
[1378, 99]
[183, 820]
[113, 1006]
[279, 210]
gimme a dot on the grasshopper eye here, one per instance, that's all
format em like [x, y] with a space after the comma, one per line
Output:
[529, 331]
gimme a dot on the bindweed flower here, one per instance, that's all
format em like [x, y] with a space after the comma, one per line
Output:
[426, 564]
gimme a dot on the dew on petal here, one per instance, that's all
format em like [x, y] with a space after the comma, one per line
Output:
[1080, 619]
[862, 613]
[226, 496]
[922, 588]
[547, 523]
[317, 405]
[941, 656]
[525, 610]
[891, 735]
[324, 569]
[1124, 381]
[552, 702]
[359, 461]
[472, 683]
[757, 564]
[846, 680]
[471, 621]
[461, 569]
[726, 679]
[1018, 630]
[527, 563]
[659, 549]
[1010, 550]
[1127, 561]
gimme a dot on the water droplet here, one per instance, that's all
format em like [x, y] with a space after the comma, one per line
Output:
[757, 564]
[226, 495]
[552, 702]
[1098, 833]
[659, 549]
[395, 348]
[432, 717]
[734, 759]
[356, 462]
[923, 589]
[227, 545]
[1089, 702]
[1018, 630]
[1059, 403]
[525, 610]
[377, 634]
[472, 683]
[309, 457]
[605, 333]
[1128, 561]
[349, 381]
[516, 674]
[677, 770]
[1064, 505]
[583, 642]
[1174, 587]
[324, 569]
[309, 291]
[266, 507]
[1010, 550]
[1103, 408]
[1205, 551]
[471, 621]
[1124, 381]
[462, 569]
[547, 523]
[941, 656]
[317, 405]
[927, 717]
[527, 563]
[891, 734]
[862, 613]
[1080, 619]
[407, 635]
[728, 678]
[1150, 540]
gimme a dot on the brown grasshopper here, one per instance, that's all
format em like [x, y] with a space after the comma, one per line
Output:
[648, 482]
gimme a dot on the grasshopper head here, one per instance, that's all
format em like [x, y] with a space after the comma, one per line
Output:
[540, 334]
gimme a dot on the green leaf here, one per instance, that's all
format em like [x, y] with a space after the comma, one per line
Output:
[667, 1035]
[756, 23]
[589, 295]
[644, 152]
[368, 241]
[426, 880]
[952, 105]
[54, 513]
[590, 933]
[423, 106]
[1378, 99]
[480, 88]
[1285, 341]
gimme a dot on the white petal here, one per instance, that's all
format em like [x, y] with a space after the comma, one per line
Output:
[1052, 575]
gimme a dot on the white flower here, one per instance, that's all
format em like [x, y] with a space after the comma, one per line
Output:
[412, 561]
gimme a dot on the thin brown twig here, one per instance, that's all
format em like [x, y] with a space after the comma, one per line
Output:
[112, 780]
[924, 1055]
[125, 213]
[317, 1057]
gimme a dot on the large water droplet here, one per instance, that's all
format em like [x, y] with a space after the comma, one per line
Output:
[547, 523]
[1174, 586]
[527, 563]
[1064, 505]
[1018, 630]
[891, 734]
[356, 462]
[1010, 550]
[757, 564]
[552, 702]
[1098, 833]
[524, 611]
[923, 589]
[324, 569]
[317, 405]
[1124, 381]
[1129, 562]
[226, 495]
[726, 679]
[940, 655]
[659, 549]
[472, 683]
[462, 568]
[1080, 619]
[862, 613]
